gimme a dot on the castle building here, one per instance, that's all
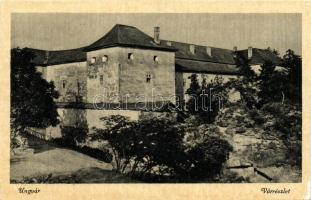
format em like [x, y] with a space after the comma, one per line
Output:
[127, 67]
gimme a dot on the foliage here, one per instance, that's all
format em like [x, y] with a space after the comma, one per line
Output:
[206, 99]
[232, 177]
[288, 119]
[158, 146]
[207, 158]
[32, 97]
[49, 179]
[72, 136]
[293, 64]
[272, 84]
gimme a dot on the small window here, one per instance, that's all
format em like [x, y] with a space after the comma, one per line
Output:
[78, 85]
[93, 60]
[156, 59]
[64, 84]
[148, 78]
[104, 58]
[192, 48]
[130, 56]
[101, 79]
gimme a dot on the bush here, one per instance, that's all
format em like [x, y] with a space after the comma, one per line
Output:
[207, 158]
[71, 136]
[288, 119]
[48, 179]
[256, 116]
[275, 108]
[159, 147]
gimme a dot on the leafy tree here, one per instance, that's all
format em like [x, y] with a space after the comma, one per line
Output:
[293, 64]
[206, 99]
[138, 145]
[32, 97]
[272, 84]
[158, 146]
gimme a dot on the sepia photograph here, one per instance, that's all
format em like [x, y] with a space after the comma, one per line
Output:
[156, 98]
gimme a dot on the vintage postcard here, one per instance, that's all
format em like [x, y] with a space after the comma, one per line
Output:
[170, 100]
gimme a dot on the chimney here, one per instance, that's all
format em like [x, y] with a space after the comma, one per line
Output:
[156, 35]
[209, 51]
[235, 48]
[250, 52]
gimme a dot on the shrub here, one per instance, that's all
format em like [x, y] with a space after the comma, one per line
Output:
[256, 116]
[275, 108]
[71, 136]
[158, 146]
[207, 158]
[294, 153]
[49, 178]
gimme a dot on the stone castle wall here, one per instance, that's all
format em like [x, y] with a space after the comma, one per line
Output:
[69, 80]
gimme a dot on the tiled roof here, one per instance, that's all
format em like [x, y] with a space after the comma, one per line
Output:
[43, 57]
[260, 56]
[122, 35]
[206, 67]
[218, 55]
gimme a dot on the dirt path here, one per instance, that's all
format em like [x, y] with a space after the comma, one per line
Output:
[45, 158]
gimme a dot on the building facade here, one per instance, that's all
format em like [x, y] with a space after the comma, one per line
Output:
[127, 69]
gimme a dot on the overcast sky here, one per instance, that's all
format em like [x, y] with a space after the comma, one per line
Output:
[65, 31]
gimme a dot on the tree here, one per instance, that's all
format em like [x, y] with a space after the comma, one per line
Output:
[293, 64]
[161, 146]
[32, 97]
[206, 99]
[272, 84]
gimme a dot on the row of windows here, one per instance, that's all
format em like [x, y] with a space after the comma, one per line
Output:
[101, 78]
[130, 56]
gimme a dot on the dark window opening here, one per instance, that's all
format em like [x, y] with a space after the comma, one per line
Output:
[130, 56]
[101, 79]
[64, 84]
[148, 78]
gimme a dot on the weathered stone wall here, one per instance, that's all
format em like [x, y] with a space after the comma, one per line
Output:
[85, 118]
[124, 79]
[133, 75]
[103, 77]
[69, 80]
[42, 70]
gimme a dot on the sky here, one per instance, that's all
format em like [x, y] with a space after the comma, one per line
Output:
[57, 31]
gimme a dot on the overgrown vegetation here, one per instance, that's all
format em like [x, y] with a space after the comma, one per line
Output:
[206, 99]
[32, 97]
[159, 146]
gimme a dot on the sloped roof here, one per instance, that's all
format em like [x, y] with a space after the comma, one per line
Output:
[122, 35]
[206, 67]
[218, 55]
[44, 57]
[260, 56]
[129, 36]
